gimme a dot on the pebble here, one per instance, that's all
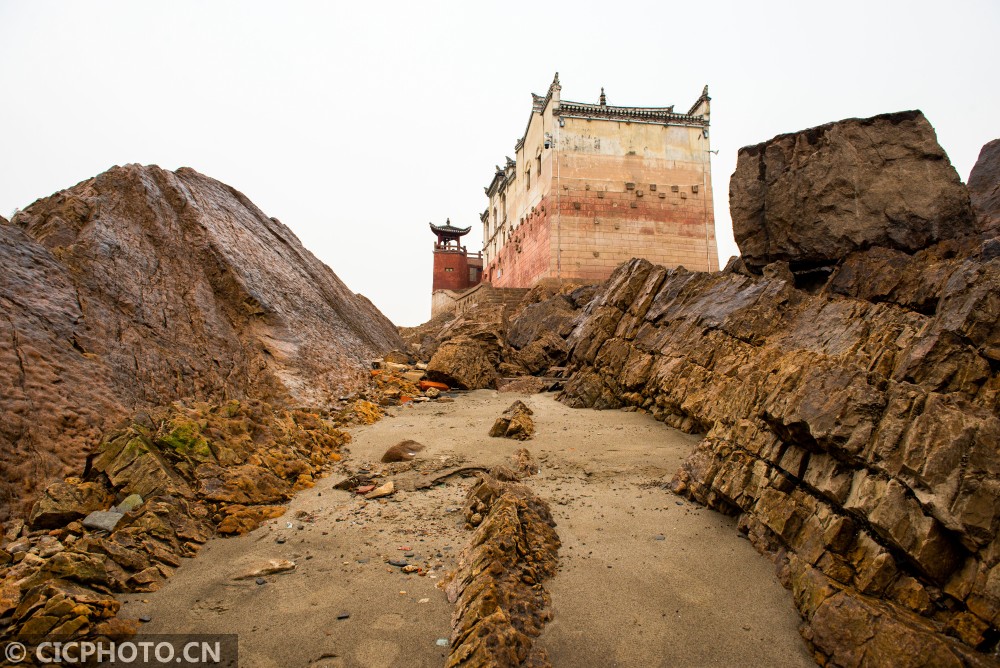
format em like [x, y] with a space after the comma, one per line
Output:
[441, 642]
[343, 615]
[145, 618]
[659, 536]
[260, 581]
[398, 562]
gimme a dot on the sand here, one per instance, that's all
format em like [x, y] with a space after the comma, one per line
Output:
[646, 578]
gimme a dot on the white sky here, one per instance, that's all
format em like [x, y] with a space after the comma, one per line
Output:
[356, 123]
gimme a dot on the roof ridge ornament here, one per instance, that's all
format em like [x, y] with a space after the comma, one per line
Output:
[604, 99]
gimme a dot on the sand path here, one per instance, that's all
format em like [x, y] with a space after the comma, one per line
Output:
[646, 578]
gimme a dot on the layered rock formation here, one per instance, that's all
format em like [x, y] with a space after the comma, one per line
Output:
[850, 422]
[142, 286]
[498, 586]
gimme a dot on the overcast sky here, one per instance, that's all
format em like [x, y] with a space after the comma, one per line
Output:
[357, 124]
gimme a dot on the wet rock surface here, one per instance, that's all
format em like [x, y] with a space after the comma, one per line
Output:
[142, 286]
[850, 425]
[813, 196]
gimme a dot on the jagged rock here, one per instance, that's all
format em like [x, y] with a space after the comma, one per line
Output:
[812, 197]
[238, 309]
[984, 188]
[851, 425]
[554, 315]
[69, 500]
[501, 603]
[129, 503]
[461, 362]
[515, 422]
[543, 353]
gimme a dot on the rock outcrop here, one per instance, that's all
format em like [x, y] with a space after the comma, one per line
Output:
[182, 474]
[852, 426]
[984, 188]
[515, 422]
[501, 604]
[812, 197]
[524, 340]
[142, 286]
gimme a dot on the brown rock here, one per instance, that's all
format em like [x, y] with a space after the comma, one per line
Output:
[250, 312]
[984, 188]
[812, 197]
[515, 422]
[403, 451]
[501, 603]
[461, 362]
[64, 502]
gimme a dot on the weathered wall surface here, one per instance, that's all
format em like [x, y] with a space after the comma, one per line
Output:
[604, 191]
[451, 271]
[142, 286]
[527, 256]
[852, 425]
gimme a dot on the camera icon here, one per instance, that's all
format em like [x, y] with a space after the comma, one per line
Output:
[15, 652]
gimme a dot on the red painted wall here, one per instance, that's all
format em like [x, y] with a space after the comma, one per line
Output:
[451, 271]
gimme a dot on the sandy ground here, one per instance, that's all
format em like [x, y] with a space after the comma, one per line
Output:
[646, 578]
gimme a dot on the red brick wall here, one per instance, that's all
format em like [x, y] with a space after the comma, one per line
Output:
[600, 229]
[528, 254]
[458, 276]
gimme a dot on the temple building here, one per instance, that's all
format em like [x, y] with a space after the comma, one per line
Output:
[454, 268]
[593, 185]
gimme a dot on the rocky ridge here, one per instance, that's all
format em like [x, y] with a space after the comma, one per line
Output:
[847, 383]
[140, 287]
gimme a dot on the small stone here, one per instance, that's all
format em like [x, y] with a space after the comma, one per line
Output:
[659, 536]
[145, 618]
[410, 568]
[408, 554]
[260, 581]
[385, 490]
[102, 520]
[272, 567]
[441, 642]
[399, 563]
[280, 540]
[344, 615]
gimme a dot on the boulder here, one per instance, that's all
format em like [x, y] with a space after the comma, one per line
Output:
[984, 188]
[66, 501]
[463, 363]
[515, 422]
[811, 197]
